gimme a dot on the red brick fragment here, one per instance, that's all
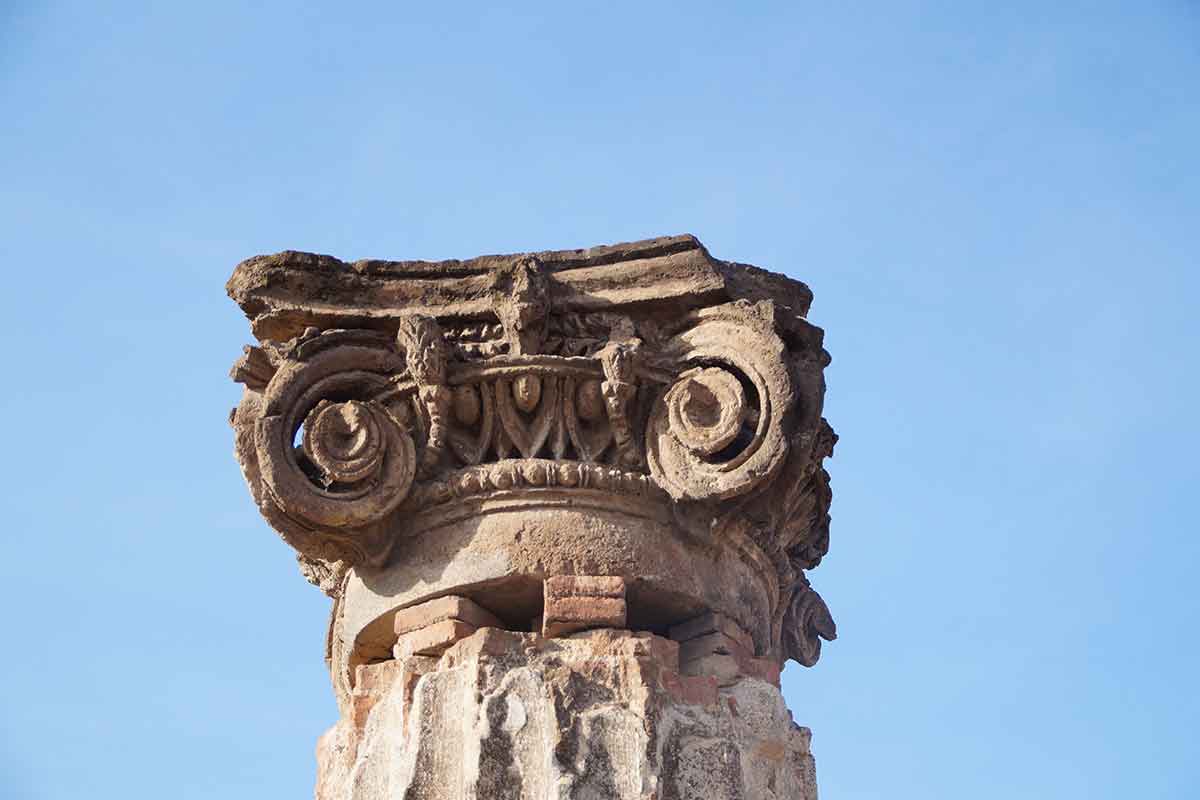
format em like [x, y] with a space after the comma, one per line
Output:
[581, 602]
[661, 650]
[570, 614]
[584, 586]
[371, 682]
[433, 639]
[444, 608]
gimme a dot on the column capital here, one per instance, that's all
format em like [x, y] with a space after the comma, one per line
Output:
[418, 429]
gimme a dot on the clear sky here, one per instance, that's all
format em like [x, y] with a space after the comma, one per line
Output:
[996, 205]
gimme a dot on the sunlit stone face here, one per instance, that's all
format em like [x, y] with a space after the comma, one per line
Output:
[627, 438]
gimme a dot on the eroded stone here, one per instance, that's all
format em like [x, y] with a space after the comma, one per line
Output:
[510, 715]
[586, 444]
[712, 622]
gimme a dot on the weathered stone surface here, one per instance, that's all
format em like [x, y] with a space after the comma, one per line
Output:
[602, 714]
[711, 643]
[498, 467]
[708, 623]
[723, 667]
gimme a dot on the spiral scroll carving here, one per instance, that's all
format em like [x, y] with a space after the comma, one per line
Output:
[706, 408]
[345, 441]
[717, 431]
[356, 460]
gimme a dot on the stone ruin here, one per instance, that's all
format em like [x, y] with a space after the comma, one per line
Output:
[564, 503]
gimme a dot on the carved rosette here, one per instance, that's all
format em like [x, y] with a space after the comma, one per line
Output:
[648, 373]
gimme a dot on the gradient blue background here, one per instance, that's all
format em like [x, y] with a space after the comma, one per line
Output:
[995, 204]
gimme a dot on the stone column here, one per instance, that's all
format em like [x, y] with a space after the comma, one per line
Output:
[564, 503]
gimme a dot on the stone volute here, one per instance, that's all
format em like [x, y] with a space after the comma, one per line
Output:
[565, 504]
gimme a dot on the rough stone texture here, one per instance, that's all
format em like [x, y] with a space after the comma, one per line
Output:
[602, 714]
[516, 448]
[709, 623]
[711, 643]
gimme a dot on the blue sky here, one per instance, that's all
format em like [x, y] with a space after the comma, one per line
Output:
[995, 204]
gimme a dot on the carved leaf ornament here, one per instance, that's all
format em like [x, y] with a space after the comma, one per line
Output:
[806, 622]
